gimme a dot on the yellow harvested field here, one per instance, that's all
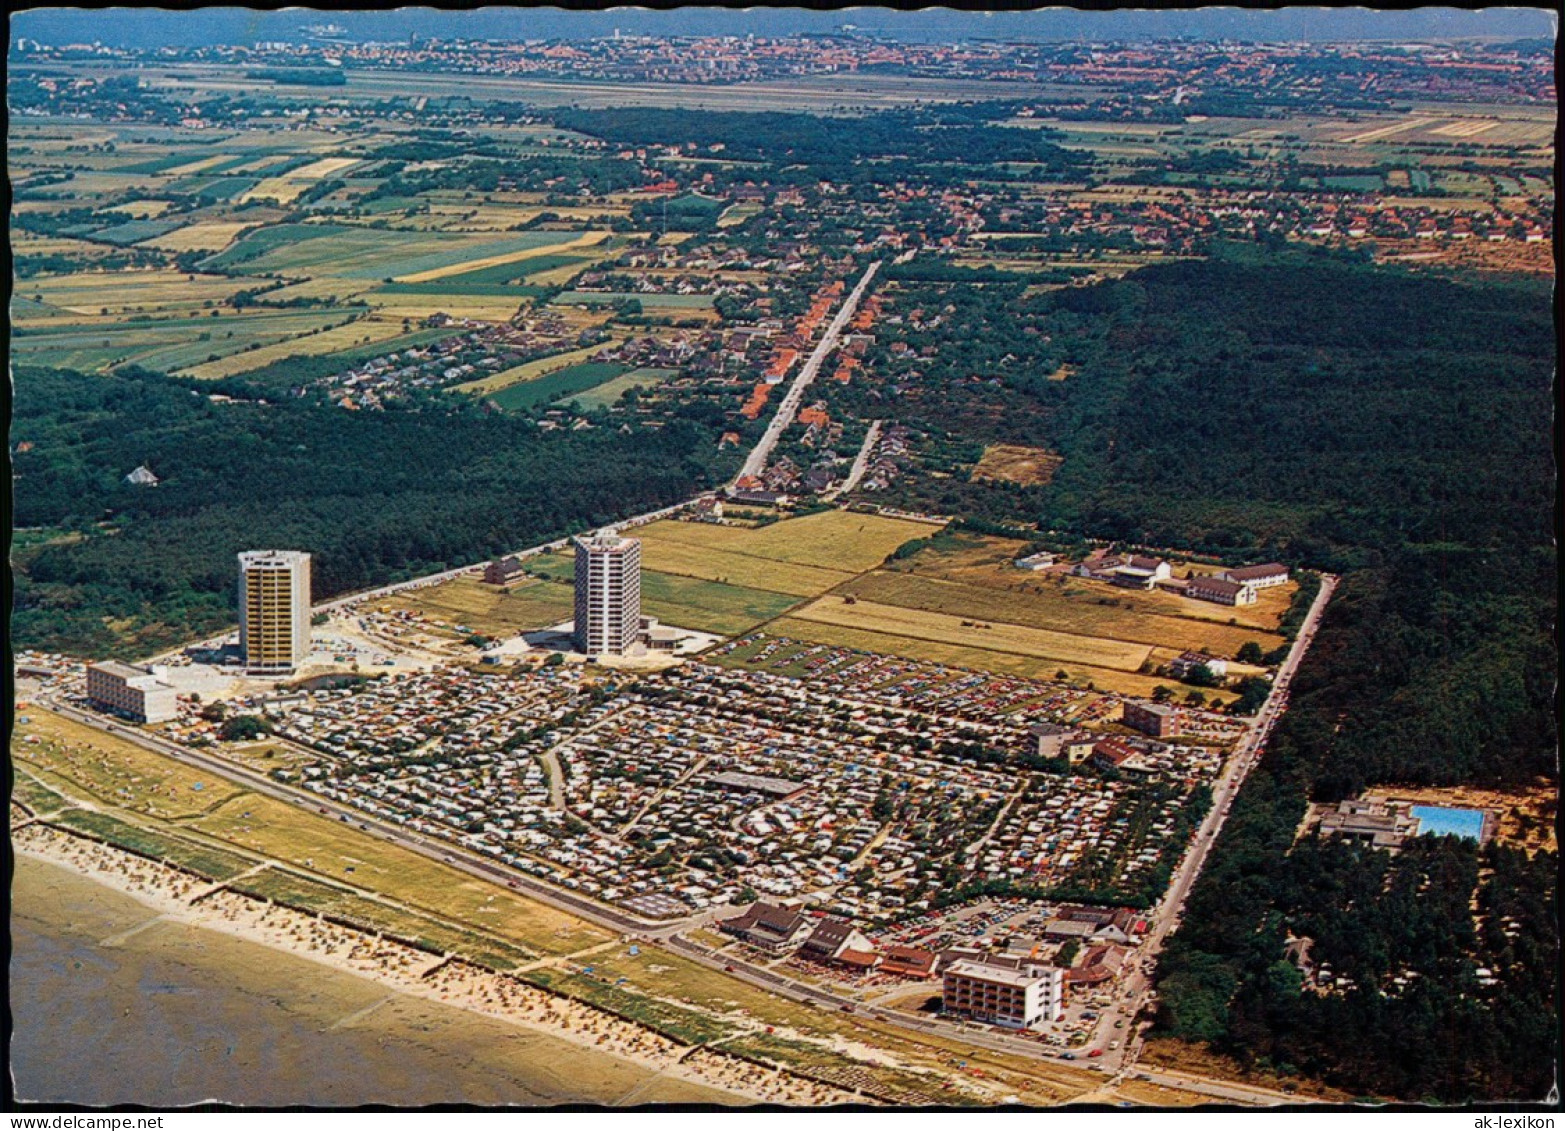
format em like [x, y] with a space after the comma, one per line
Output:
[366, 331]
[737, 569]
[489, 608]
[837, 540]
[1383, 132]
[142, 209]
[325, 287]
[1070, 605]
[287, 186]
[205, 235]
[1464, 129]
[976, 659]
[484, 308]
[197, 166]
[91, 292]
[586, 239]
[993, 636]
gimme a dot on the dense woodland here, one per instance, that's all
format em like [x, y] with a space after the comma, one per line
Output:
[1391, 427]
[374, 496]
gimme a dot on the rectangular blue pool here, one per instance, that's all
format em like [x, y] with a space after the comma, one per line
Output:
[1436, 820]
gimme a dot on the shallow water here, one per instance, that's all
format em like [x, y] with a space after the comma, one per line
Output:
[112, 1005]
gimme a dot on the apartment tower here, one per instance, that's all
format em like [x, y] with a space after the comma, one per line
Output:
[274, 609]
[608, 594]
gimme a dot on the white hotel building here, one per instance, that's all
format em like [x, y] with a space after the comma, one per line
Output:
[608, 594]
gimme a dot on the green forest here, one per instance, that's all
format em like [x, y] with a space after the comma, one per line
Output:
[1341, 417]
[106, 568]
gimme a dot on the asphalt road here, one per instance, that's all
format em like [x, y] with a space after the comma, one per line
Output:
[786, 411]
[1132, 991]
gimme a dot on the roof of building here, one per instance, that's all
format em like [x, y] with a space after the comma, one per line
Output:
[119, 669]
[991, 971]
[1215, 585]
[860, 958]
[1256, 572]
[829, 934]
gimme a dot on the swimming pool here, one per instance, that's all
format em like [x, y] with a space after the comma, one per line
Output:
[1436, 820]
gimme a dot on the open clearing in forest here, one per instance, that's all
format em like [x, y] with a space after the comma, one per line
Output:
[1013, 463]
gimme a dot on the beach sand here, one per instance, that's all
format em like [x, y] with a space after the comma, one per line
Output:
[458, 1033]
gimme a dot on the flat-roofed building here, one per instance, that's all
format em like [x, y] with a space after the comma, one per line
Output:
[274, 610]
[1156, 719]
[608, 594]
[134, 692]
[1014, 994]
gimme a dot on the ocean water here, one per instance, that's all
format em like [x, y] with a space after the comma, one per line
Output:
[1436, 820]
[111, 1005]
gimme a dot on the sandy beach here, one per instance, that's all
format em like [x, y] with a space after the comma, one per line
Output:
[168, 893]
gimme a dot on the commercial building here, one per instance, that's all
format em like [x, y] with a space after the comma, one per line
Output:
[608, 594]
[767, 926]
[274, 610]
[1015, 993]
[131, 691]
[1156, 719]
[1221, 591]
[1258, 576]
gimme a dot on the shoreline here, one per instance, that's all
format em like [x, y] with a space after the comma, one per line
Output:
[167, 892]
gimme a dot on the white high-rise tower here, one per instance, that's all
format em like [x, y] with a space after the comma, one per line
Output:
[608, 594]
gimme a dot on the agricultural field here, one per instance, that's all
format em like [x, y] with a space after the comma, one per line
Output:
[993, 636]
[839, 540]
[1065, 605]
[488, 609]
[556, 386]
[529, 371]
[362, 332]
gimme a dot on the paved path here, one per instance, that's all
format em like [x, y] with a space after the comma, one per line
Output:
[860, 463]
[756, 460]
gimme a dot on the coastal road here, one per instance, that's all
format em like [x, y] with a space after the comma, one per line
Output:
[756, 460]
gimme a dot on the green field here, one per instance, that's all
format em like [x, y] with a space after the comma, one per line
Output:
[558, 385]
[685, 602]
[368, 253]
[610, 392]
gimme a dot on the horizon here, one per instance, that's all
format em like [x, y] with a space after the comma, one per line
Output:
[213, 26]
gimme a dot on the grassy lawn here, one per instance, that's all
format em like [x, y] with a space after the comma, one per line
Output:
[115, 772]
[309, 841]
[609, 393]
[205, 860]
[488, 609]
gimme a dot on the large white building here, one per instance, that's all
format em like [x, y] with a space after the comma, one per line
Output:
[128, 690]
[1016, 994]
[274, 610]
[608, 594]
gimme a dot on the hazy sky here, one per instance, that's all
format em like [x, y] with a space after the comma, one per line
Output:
[130, 27]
